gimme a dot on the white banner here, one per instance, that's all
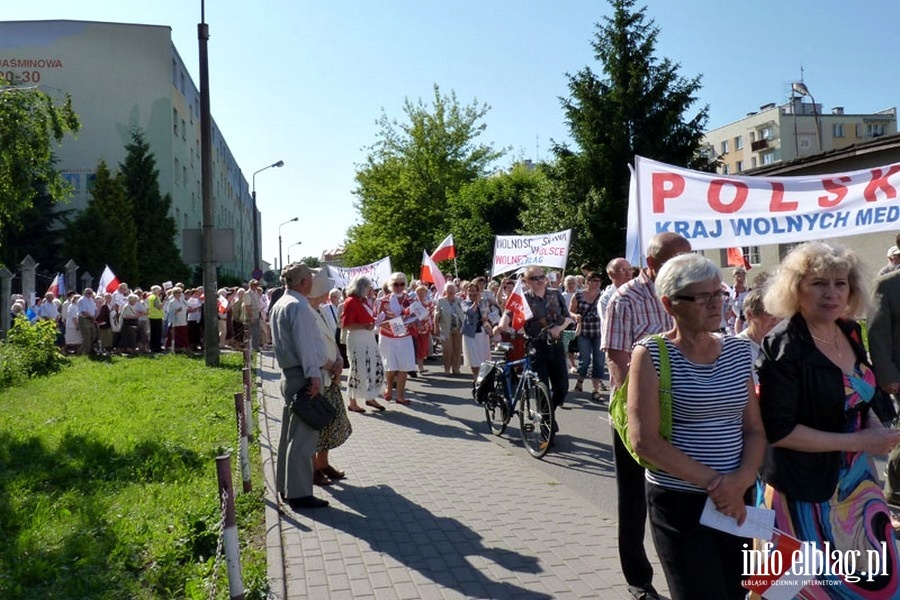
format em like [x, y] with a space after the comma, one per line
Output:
[722, 211]
[378, 272]
[512, 252]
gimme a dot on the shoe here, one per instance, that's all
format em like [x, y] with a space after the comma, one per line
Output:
[595, 397]
[579, 387]
[403, 401]
[643, 592]
[357, 409]
[307, 502]
[374, 404]
[320, 478]
[387, 396]
[333, 473]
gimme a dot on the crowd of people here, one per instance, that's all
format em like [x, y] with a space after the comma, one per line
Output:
[775, 399]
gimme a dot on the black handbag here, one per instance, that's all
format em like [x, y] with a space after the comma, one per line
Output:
[315, 411]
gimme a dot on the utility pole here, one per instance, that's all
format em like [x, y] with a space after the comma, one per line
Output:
[210, 285]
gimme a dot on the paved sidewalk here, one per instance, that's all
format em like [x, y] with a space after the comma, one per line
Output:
[432, 509]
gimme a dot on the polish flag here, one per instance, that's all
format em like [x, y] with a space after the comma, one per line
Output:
[223, 305]
[736, 258]
[518, 306]
[788, 584]
[431, 273]
[58, 286]
[108, 281]
[445, 251]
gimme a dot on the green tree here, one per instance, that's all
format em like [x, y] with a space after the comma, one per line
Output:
[492, 206]
[29, 123]
[104, 233]
[639, 106]
[37, 232]
[409, 175]
[155, 229]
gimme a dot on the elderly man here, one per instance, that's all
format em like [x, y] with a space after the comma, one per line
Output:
[252, 311]
[633, 313]
[87, 322]
[301, 353]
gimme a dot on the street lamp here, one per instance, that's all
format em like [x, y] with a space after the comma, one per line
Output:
[280, 263]
[289, 250]
[256, 263]
[800, 88]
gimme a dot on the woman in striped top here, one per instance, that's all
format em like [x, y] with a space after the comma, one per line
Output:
[717, 440]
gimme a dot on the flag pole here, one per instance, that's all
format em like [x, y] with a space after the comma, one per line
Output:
[455, 270]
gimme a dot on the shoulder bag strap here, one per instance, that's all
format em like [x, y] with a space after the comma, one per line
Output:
[665, 389]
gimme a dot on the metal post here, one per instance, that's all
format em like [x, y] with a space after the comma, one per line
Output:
[210, 306]
[244, 441]
[28, 267]
[6, 277]
[248, 390]
[230, 530]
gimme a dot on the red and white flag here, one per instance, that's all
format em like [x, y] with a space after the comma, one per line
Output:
[736, 258]
[431, 273]
[222, 304]
[445, 250]
[108, 281]
[518, 306]
[57, 286]
[783, 585]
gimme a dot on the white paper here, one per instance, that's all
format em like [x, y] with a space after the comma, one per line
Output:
[398, 327]
[419, 310]
[760, 522]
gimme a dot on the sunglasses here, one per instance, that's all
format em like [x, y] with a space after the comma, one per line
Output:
[537, 278]
[399, 284]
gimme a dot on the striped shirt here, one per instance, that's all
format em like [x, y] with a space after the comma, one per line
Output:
[634, 312]
[708, 404]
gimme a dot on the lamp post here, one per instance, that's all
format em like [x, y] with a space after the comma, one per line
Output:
[800, 88]
[289, 250]
[280, 262]
[280, 163]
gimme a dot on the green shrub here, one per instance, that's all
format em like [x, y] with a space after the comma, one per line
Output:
[29, 351]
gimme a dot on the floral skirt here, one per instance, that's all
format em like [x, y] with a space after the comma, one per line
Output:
[365, 377]
[337, 432]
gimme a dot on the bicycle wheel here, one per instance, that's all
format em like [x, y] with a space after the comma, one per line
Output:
[536, 418]
[496, 411]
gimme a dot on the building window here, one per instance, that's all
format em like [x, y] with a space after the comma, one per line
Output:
[752, 162]
[875, 129]
[765, 133]
[174, 72]
[724, 146]
[175, 120]
[739, 142]
[751, 253]
[184, 175]
[752, 136]
[177, 169]
[739, 166]
[183, 130]
[725, 170]
[859, 133]
[838, 130]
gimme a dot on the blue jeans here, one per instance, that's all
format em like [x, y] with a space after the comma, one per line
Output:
[589, 350]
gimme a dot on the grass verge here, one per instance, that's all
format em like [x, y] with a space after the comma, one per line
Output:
[108, 482]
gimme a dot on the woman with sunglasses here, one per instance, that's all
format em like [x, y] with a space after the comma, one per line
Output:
[396, 343]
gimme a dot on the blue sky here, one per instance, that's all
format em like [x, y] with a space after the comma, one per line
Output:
[305, 82]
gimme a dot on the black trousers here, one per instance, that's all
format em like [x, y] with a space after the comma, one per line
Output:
[632, 516]
[699, 562]
[550, 363]
[156, 335]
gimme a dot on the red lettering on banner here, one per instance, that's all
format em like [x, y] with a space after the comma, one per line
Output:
[778, 204]
[714, 196]
[665, 186]
[836, 187]
[879, 181]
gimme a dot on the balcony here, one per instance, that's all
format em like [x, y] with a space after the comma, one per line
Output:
[759, 145]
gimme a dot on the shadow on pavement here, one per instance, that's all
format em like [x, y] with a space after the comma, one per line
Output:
[434, 546]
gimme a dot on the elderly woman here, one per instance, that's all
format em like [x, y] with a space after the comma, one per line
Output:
[823, 417]
[476, 328]
[130, 334]
[366, 373]
[758, 321]
[448, 319]
[423, 327]
[395, 343]
[717, 439]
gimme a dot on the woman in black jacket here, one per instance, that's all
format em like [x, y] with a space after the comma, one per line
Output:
[823, 417]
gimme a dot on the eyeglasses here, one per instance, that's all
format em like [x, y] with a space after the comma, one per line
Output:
[398, 284]
[703, 298]
[595, 279]
[537, 278]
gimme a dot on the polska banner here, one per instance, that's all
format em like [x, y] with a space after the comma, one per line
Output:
[722, 211]
[378, 272]
[512, 252]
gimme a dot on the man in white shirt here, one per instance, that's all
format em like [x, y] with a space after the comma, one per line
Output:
[87, 313]
[47, 310]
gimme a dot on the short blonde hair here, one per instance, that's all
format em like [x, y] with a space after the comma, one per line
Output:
[782, 297]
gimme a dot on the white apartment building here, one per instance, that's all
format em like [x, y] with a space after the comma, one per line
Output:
[797, 129]
[122, 77]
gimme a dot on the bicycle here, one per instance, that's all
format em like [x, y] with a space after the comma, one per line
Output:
[503, 391]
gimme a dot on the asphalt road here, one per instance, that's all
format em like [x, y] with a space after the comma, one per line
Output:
[582, 456]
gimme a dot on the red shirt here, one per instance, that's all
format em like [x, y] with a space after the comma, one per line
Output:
[355, 311]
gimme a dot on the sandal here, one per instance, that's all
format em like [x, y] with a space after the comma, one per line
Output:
[403, 401]
[357, 409]
[595, 396]
[374, 404]
[579, 387]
